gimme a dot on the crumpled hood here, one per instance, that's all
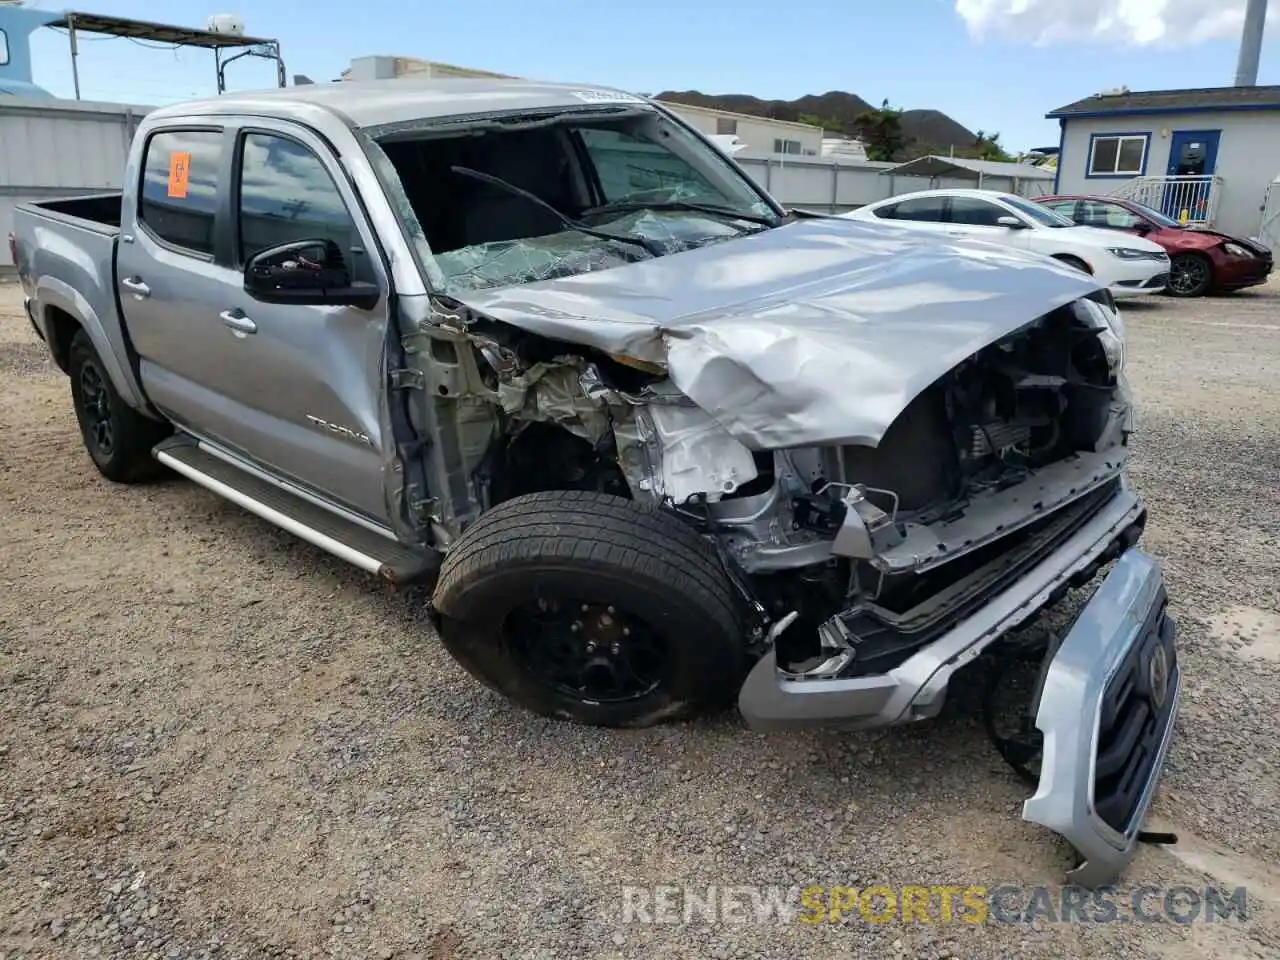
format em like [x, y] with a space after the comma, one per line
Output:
[818, 332]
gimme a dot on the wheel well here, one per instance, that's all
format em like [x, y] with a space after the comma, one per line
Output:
[1074, 261]
[62, 328]
[544, 457]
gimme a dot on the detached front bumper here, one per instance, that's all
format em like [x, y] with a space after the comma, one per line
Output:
[771, 699]
[1107, 712]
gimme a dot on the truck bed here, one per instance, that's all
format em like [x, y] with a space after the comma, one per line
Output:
[66, 263]
[99, 210]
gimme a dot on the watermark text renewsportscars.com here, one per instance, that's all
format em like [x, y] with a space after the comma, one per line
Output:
[936, 903]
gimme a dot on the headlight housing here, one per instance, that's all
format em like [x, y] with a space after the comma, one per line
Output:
[1129, 253]
[1236, 250]
[1106, 320]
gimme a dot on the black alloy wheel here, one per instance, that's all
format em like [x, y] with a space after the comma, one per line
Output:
[1190, 275]
[587, 651]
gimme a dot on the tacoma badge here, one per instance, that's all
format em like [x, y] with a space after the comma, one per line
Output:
[341, 430]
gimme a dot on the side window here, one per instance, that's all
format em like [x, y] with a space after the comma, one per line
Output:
[286, 195]
[179, 196]
[888, 212]
[1096, 214]
[4, 49]
[925, 209]
[975, 212]
[1065, 208]
[635, 168]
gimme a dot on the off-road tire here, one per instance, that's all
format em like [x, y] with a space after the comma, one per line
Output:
[1202, 268]
[599, 549]
[126, 458]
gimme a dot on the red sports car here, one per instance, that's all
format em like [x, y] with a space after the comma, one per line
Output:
[1200, 260]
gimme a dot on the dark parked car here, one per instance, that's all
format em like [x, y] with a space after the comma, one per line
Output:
[1201, 261]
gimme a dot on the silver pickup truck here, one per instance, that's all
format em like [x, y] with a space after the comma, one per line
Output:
[659, 443]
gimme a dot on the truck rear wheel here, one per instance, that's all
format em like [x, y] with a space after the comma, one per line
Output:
[117, 437]
[592, 608]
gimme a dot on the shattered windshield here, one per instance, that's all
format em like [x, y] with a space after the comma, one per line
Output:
[564, 254]
[501, 205]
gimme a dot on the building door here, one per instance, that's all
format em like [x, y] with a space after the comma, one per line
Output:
[1193, 157]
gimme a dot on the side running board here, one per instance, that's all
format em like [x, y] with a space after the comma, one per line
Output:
[361, 546]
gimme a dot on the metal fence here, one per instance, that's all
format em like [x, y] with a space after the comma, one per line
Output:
[1190, 200]
[56, 149]
[839, 187]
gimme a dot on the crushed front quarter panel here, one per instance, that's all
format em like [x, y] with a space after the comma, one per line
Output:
[1123, 624]
[817, 332]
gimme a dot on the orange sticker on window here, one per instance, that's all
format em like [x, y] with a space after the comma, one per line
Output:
[179, 173]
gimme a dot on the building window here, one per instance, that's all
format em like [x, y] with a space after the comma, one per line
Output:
[1122, 155]
[786, 146]
[726, 127]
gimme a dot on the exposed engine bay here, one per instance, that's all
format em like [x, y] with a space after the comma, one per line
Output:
[862, 552]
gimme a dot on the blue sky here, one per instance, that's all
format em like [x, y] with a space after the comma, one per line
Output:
[991, 64]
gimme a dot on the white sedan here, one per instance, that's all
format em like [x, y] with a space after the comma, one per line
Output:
[1129, 266]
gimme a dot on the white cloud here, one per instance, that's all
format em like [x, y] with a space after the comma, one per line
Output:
[1123, 22]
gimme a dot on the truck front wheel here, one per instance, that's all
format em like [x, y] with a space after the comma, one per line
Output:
[592, 608]
[117, 437]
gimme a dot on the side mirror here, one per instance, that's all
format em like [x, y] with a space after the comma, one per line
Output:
[1013, 223]
[1142, 227]
[306, 273]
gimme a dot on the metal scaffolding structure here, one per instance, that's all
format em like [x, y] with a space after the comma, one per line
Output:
[220, 43]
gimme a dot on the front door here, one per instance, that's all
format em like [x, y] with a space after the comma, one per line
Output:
[1193, 157]
[296, 389]
[979, 219]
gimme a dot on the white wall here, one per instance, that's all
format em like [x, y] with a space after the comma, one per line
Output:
[59, 149]
[758, 133]
[1248, 157]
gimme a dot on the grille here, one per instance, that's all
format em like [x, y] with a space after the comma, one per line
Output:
[1136, 710]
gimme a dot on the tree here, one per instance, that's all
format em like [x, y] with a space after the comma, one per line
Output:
[987, 147]
[829, 124]
[880, 131]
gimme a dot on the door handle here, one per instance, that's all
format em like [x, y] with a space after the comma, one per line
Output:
[135, 286]
[237, 321]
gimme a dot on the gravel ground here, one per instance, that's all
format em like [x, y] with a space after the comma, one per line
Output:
[216, 741]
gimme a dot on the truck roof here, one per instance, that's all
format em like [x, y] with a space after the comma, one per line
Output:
[374, 103]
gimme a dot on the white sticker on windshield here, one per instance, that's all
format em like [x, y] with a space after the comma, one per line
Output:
[606, 96]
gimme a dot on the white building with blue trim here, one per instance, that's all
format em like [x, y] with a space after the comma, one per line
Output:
[1205, 156]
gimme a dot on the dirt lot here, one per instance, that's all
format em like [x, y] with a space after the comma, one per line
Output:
[217, 741]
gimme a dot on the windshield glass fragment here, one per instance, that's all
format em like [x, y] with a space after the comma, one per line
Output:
[508, 262]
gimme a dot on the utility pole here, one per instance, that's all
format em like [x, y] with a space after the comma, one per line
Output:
[1255, 21]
